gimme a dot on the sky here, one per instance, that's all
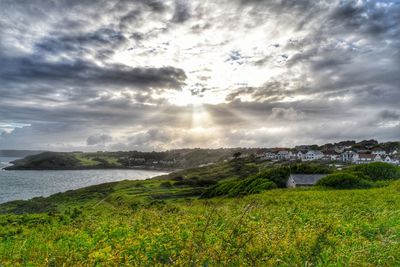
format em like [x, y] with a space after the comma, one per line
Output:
[164, 74]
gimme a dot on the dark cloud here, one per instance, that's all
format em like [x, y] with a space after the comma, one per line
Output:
[374, 18]
[389, 115]
[182, 11]
[102, 43]
[155, 5]
[14, 71]
[281, 5]
[100, 139]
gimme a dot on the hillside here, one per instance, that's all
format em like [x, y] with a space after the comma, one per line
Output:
[166, 220]
[168, 160]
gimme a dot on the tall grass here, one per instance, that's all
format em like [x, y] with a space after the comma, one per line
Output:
[302, 227]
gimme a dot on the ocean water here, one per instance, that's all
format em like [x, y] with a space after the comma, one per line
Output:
[15, 185]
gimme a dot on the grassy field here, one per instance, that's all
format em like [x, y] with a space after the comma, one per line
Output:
[163, 221]
[301, 227]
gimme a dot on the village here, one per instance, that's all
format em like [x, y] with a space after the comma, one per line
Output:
[341, 153]
[344, 154]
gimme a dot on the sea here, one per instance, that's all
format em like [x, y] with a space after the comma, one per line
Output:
[23, 185]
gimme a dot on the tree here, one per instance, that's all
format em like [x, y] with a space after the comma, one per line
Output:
[237, 154]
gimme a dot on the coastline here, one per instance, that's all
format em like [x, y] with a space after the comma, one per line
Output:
[139, 168]
[66, 180]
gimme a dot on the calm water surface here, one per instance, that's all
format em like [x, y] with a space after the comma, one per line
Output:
[16, 185]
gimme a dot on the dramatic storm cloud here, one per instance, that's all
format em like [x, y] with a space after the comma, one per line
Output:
[153, 75]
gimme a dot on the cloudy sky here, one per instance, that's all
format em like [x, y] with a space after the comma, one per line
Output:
[161, 74]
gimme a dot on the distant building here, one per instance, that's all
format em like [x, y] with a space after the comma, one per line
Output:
[301, 180]
[314, 155]
[368, 158]
[363, 158]
[330, 154]
[391, 160]
[284, 155]
[348, 155]
[301, 155]
[269, 155]
[378, 151]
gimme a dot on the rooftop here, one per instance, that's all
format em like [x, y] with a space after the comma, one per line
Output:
[307, 179]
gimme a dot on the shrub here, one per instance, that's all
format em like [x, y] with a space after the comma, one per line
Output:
[378, 171]
[249, 186]
[344, 180]
[278, 176]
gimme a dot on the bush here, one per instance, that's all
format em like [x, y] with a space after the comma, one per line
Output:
[378, 171]
[278, 176]
[345, 181]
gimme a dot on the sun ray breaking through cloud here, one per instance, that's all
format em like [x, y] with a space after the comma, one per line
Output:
[147, 74]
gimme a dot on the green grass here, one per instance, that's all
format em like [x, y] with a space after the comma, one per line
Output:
[163, 221]
[85, 161]
[122, 226]
[88, 160]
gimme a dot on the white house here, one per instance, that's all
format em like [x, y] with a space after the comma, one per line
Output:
[363, 158]
[284, 155]
[330, 155]
[314, 155]
[391, 160]
[378, 151]
[269, 155]
[300, 155]
[347, 155]
[368, 158]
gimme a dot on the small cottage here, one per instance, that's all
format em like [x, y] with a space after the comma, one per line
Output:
[301, 180]
[314, 155]
[284, 155]
[363, 158]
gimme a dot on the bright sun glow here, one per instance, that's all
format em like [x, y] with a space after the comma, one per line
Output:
[200, 118]
[185, 98]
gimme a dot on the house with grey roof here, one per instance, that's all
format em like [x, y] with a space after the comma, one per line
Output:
[314, 155]
[301, 180]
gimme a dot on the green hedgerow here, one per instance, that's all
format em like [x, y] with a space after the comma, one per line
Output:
[345, 180]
